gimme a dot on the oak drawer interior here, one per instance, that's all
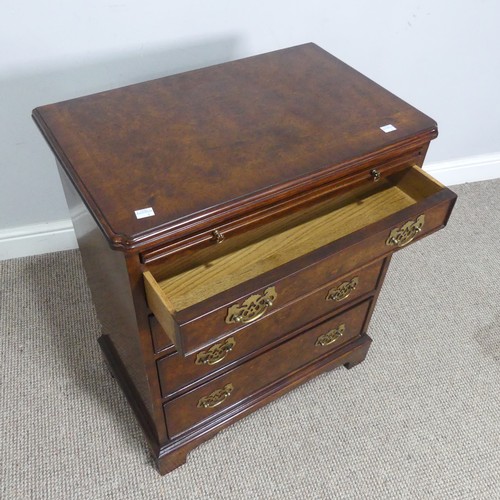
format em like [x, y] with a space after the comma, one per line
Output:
[363, 207]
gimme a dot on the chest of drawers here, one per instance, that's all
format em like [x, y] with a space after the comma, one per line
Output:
[235, 224]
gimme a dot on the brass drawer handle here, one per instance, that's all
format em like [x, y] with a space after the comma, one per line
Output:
[375, 175]
[403, 235]
[252, 308]
[342, 291]
[216, 398]
[331, 336]
[216, 353]
[217, 236]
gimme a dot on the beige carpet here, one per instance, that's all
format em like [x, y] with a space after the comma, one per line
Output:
[420, 418]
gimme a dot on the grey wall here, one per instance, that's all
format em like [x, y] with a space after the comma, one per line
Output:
[442, 57]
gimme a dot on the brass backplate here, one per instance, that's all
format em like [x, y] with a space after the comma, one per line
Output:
[252, 308]
[343, 291]
[216, 353]
[401, 236]
[216, 398]
[331, 336]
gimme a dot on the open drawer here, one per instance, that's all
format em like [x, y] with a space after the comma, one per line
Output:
[209, 301]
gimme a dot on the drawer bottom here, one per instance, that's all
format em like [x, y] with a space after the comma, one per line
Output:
[224, 392]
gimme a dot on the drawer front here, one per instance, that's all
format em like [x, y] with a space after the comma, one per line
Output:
[225, 391]
[313, 270]
[176, 371]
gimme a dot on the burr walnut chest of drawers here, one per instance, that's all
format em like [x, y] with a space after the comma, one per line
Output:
[235, 225]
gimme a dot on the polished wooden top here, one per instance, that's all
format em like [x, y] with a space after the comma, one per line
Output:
[212, 144]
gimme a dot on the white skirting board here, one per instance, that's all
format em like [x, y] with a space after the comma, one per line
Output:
[35, 239]
[59, 235]
[462, 170]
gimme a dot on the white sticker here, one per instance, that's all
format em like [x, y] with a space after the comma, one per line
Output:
[144, 212]
[388, 128]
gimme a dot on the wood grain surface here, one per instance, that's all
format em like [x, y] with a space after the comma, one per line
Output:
[218, 141]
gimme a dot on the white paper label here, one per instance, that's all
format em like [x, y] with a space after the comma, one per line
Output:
[388, 128]
[144, 212]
